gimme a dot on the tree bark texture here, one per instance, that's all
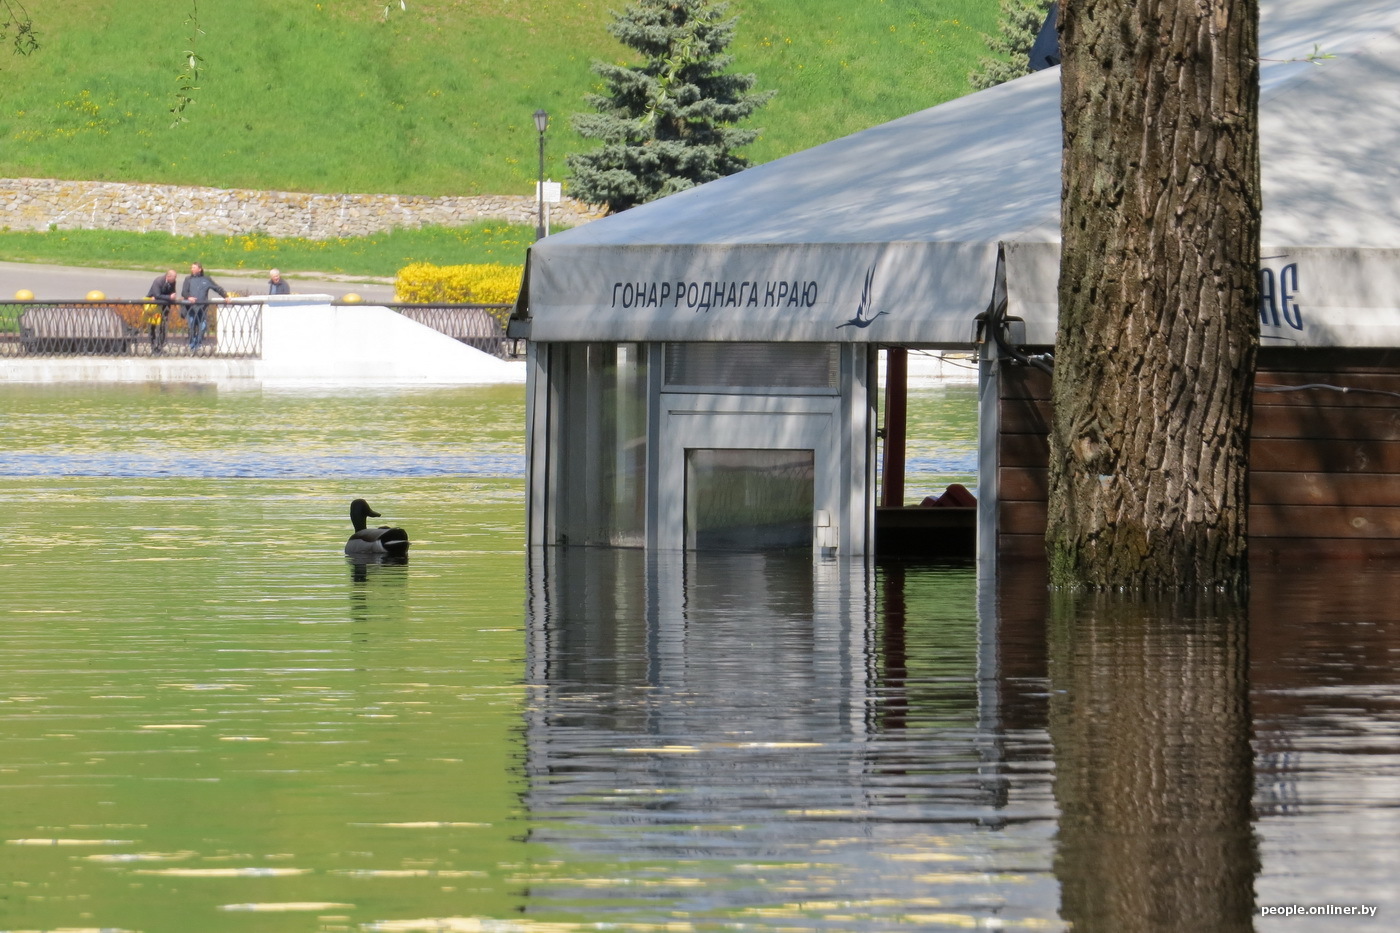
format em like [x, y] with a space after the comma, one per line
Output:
[1158, 327]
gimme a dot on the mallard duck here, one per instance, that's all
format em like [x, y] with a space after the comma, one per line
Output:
[372, 542]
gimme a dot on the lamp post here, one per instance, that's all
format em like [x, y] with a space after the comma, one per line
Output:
[541, 124]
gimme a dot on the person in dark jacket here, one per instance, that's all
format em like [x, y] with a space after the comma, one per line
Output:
[276, 285]
[194, 291]
[162, 294]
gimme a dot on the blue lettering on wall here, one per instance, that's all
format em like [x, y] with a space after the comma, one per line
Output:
[1268, 298]
[1287, 296]
[1278, 297]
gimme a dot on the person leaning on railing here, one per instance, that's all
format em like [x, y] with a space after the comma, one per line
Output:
[194, 291]
[162, 292]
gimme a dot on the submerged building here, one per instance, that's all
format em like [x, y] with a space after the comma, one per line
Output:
[703, 369]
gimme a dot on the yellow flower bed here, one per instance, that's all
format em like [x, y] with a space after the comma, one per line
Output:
[488, 283]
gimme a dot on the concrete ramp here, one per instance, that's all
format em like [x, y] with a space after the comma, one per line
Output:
[307, 339]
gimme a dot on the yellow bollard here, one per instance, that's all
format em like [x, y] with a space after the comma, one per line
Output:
[24, 294]
[351, 299]
[95, 295]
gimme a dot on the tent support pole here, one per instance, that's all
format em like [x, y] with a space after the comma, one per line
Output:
[896, 409]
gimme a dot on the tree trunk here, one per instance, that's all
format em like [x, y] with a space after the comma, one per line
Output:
[1158, 327]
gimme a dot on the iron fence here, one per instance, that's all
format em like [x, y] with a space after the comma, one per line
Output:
[230, 330]
[477, 325]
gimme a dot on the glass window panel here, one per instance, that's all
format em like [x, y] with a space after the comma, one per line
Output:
[599, 410]
[740, 499]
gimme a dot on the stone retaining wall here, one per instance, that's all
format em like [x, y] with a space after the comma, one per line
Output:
[39, 203]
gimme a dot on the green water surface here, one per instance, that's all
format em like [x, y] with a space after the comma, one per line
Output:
[209, 719]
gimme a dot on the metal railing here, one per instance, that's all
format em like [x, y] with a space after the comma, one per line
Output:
[226, 329]
[230, 329]
[476, 325]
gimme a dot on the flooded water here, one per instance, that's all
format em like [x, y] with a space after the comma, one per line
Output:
[210, 720]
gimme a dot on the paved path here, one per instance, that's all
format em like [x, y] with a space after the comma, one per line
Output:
[59, 282]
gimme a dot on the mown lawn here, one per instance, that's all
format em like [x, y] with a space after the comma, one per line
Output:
[437, 98]
[379, 255]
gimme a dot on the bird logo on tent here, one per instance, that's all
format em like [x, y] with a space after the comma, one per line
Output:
[863, 316]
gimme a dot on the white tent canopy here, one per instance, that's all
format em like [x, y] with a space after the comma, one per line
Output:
[892, 235]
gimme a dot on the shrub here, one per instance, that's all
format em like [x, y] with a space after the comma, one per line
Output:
[485, 283]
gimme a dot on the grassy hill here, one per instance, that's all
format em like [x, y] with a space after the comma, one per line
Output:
[367, 96]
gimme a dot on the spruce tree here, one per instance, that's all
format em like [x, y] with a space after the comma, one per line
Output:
[1011, 47]
[668, 123]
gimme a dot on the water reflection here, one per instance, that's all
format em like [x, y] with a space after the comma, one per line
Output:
[755, 741]
[192, 730]
[1325, 692]
[363, 568]
[1149, 715]
[378, 591]
[1317, 706]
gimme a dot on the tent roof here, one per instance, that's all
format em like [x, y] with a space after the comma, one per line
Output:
[892, 234]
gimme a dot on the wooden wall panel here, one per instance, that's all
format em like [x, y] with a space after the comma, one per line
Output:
[1324, 464]
[1021, 547]
[1017, 483]
[1313, 488]
[1324, 521]
[1314, 455]
[1317, 397]
[1023, 450]
[1026, 416]
[1328, 422]
[1027, 451]
[1025, 382]
[1022, 518]
[1305, 550]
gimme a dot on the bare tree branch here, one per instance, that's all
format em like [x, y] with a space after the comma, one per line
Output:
[190, 68]
[18, 27]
